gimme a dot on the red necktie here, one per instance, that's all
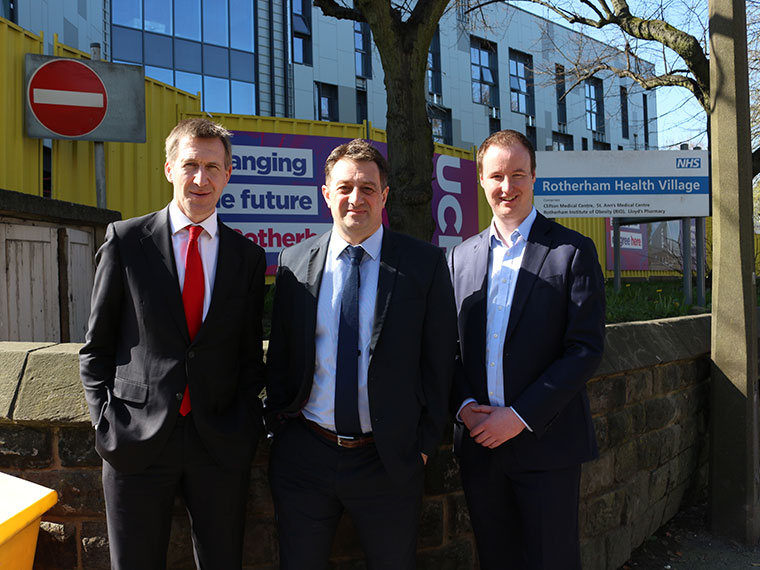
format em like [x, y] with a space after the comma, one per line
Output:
[192, 297]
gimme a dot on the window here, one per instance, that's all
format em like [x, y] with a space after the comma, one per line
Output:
[440, 121]
[521, 83]
[326, 102]
[483, 67]
[363, 50]
[645, 103]
[601, 145]
[624, 110]
[530, 134]
[584, 143]
[562, 141]
[594, 105]
[165, 36]
[559, 79]
[362, 111]
[8, 10]
[434, 83]
[302, 31]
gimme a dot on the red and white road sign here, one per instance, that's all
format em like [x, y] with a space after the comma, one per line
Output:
[67, 97]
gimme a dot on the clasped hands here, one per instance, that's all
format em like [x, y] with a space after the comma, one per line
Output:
[490, 426]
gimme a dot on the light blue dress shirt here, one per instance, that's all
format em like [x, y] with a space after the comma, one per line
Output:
[320, 407]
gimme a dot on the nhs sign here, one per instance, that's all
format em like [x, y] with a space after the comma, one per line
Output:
[688, 162]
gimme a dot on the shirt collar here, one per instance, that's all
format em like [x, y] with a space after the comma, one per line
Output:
[523, 229]
[180, 221]
[372, 245]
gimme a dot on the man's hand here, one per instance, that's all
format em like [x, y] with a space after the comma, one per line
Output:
[472, 418]
[424, 458]
[500, 425]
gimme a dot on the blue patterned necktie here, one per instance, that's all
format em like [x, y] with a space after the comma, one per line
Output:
[347, 373]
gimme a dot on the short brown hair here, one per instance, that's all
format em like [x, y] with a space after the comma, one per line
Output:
[358, 150]
[202, 129]
[506, 139]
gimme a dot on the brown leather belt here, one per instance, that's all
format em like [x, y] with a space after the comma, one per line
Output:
[348, 442]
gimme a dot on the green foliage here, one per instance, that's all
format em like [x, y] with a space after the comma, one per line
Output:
[646, 300]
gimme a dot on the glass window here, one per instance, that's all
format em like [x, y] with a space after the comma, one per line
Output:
[327, 102]
[594, 105]
[301, 21]
[243, 98]
[127, 13]
[215, 23]
[624, 110]
[559, 79]
[216, 95]
[434, 64]
[158, 50]
[483, 72]
[361, 106]
[187, 56]
[216, 61]
[521, 83]
[190, 82]
[241, 24]
[158, 16]
[126, 44]
[160, 73]
[187, 19]
[363, 50]
[242, 66]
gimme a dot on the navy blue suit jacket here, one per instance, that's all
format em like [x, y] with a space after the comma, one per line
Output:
[553, 343]
[411, 351]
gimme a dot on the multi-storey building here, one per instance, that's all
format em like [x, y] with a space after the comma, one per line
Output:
[505, 68]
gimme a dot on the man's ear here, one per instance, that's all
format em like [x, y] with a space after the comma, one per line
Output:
[168, 172]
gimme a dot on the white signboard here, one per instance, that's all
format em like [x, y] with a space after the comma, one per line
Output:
[629, 184]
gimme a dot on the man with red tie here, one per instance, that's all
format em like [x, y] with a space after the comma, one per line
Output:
[172, 364]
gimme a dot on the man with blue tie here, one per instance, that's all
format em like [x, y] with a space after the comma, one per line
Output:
[530, 301]
[172, 364]
[359, 373]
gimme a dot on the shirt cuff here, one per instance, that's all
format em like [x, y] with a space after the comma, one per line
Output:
[467, 401]
[519, 417]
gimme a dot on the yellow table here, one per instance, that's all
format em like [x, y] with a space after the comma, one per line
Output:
[22, 505]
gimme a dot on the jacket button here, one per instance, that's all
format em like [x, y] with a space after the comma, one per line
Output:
[179, 396]
[191, 354]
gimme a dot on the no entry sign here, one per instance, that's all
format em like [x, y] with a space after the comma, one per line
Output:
[82, 99]
[67, 97]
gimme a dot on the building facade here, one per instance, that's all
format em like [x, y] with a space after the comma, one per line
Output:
[500, 68]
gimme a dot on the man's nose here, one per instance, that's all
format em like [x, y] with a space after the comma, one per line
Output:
[200, 176]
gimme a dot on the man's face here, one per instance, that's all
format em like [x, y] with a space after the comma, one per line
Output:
[356, 199]
[198, 175]
[507, 179]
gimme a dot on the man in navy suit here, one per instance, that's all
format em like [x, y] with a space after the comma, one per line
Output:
[353, 428]
[172, 364]
[530, 300]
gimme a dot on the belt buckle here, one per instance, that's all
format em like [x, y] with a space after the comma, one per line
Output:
[346, 438]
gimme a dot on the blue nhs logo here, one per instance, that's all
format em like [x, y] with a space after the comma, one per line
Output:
[691, 162]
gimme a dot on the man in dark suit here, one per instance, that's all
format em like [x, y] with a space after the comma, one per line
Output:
[359, 373]
[172, 364]
[530, 299]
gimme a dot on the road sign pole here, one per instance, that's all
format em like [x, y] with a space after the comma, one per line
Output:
[99, 151]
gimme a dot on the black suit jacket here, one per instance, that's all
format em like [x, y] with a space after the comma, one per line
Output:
[553, 343]
[411, 352]
[138, 357]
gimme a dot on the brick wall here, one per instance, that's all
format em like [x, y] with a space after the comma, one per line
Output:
[649, 401]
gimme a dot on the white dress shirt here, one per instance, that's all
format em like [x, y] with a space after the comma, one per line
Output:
[321, 405]
[504, 261]
[208, 245]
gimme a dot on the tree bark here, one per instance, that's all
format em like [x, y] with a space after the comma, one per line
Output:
[403, 45]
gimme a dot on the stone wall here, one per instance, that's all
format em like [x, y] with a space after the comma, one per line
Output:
[649, 401]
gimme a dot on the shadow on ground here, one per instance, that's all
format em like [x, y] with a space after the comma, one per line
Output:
[685, 543]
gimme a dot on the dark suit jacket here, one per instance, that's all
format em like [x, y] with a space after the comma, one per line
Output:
[411, 352]
[553, 344]
[138, 357]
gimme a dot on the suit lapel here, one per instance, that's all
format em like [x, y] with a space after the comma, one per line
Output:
[389, 259]
[157, 244]
[316, 265]
[535, 253]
